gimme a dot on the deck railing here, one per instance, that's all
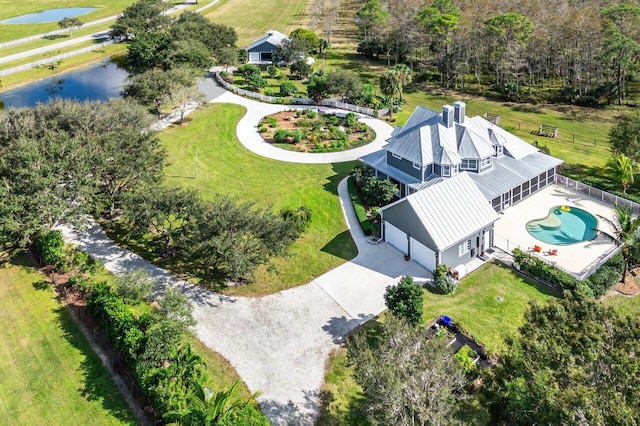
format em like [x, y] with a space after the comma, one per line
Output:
[597, 194]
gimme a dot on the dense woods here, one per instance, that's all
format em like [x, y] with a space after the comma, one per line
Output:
[570, 50]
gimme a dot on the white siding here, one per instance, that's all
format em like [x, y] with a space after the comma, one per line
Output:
[423, 255]
[395, 237]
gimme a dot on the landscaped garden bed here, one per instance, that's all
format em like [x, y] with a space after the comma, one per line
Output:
[307, 131]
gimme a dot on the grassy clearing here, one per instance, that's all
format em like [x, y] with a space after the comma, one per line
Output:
[69, 64]
[13, 8]
[47, 367]
[49, 54]
[253, 18]
[225, 166]
[475, 307]
[629, 306]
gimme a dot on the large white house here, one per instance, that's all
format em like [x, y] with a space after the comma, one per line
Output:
[454, 173]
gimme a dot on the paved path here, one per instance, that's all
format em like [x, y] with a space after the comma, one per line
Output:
[247, 132]
[279, 343]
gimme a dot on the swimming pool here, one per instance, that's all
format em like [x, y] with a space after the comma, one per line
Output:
[563, 226]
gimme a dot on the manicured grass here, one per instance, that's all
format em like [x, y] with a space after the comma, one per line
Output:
[49, 372]
[253, 18]
[629, 306]
[475, 307]
[226, 167]
[13, 8]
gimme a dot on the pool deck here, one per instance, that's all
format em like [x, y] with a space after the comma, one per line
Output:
[511, 230]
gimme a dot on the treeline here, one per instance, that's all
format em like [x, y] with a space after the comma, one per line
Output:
[586, 51]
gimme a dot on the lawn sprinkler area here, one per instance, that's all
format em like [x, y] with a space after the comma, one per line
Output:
[562, 237]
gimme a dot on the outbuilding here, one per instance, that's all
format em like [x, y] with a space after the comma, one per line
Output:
[261, 50]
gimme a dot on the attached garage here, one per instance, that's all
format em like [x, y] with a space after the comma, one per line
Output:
[447, 222]
[395, 237]
[423, 255]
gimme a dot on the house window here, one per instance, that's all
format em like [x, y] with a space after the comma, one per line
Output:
[446, 170]
[486, 162]
[396, 156]
[498, 150]
[469, 164]
[454, 170]
[464, 247]
[416, 166]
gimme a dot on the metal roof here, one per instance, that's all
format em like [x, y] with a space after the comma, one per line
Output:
[378, 160]
[274, 37]
[507, 173]
[448, 211]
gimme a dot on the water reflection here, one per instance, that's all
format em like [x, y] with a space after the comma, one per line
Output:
[95, 82]
[51, 15]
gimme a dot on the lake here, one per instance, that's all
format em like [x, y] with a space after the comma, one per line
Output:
[101, 81]
[50, 15]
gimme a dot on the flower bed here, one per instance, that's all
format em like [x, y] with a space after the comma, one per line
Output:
[306, 131]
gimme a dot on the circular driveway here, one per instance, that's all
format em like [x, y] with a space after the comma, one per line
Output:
[247, 132]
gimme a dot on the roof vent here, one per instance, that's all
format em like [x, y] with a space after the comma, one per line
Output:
[447, 115]
[460, 111]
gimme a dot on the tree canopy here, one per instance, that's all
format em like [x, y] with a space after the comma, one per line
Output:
[625, 136]
[141, 17]
[574, 362]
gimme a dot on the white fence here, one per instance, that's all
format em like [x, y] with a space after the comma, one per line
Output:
[299, 101]
[596, 193]
[56, 32]
[55, 58]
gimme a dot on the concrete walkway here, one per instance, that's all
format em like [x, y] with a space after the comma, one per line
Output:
[279, 344]
[247, 132]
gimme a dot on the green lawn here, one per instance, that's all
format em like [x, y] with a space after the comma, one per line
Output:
[475, 307]
[225, 166]
[49, 373]
[253, 18]
[13, 8]
[625, 305]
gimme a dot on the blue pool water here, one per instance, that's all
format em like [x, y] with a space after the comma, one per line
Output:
[50, 15]
[564, 226]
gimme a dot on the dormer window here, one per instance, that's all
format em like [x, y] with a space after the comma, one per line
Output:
[417, 166]
[498, 150]
[446, 170]
[469, 164]
[454, 170]
[396, 156]
[486, 162]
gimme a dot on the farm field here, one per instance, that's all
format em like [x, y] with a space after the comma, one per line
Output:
[47, 367]
[253, 18]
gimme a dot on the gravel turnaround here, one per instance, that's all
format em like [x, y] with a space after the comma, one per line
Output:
[279, 343]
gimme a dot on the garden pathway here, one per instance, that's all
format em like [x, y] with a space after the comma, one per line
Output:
[247, 132]
[279, 343]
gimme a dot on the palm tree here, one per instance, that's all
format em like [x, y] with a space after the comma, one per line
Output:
[389, 86]
[207, 407]
[403, 75]
[623, 169]
[625, 234]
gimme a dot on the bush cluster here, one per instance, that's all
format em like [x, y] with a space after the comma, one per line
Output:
[50, 245]
[442, 281]
[596, 285]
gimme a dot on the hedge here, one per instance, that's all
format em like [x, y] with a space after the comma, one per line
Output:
[365, 224]
[597, 284]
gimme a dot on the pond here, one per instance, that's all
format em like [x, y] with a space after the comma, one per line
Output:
[101, 81]
[50, 15]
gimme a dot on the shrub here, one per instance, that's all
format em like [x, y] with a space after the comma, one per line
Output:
[262, 129]
[404, 300]
[273, 71]
[249, 70]
[351, 119]
[271, 121]
[442, 281]
[312, 114]
[539, 269]
[378, 192]
[299, 219]
[51, 248]
[298, 135]
[465, 357]
[134, 286]
[305, 123]
[280, 136]
[365, 224]
[287, 88]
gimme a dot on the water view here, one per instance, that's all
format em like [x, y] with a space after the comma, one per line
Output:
[50, 15]
[102, 81]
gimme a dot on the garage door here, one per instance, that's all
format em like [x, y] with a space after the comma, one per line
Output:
[423, 255]
[395, 237]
